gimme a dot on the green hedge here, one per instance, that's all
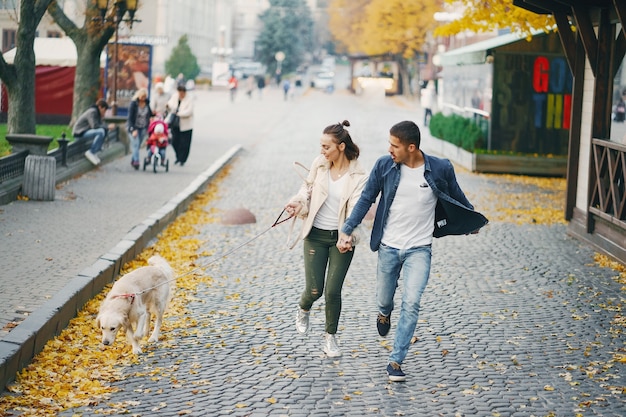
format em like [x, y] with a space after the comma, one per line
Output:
[457, 130]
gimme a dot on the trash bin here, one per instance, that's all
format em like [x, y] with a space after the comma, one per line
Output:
[39, 177]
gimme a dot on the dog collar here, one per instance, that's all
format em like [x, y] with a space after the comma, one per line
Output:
[131, 296]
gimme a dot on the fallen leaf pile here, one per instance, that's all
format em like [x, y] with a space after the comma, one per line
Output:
[522, 199]
[73, 369]
[618, 324]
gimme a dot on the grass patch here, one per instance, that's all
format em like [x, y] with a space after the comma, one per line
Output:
[44, 130]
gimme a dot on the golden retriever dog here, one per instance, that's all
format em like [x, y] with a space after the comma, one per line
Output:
[133, 299]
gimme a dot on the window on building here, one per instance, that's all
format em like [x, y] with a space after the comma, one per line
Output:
[8, 38]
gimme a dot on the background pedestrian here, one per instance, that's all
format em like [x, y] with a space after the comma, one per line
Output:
[427, 100]
[232, 87]
[139, 115]
[89, 125]
[261, 85]
[182, 105]
[160, 100]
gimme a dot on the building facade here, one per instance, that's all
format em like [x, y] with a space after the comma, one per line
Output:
[217, 30]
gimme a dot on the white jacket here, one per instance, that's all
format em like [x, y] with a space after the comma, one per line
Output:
[185, 111]
[314, 191]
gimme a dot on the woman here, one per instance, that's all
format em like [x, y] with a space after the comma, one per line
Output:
[139, 115]
[324, 201]
[182, 105]
[160, 100]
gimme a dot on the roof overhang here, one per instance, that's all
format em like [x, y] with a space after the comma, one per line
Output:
[566, 7]
[476, 53]
[56, 52]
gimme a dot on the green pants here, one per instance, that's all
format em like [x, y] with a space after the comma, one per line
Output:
[321, 253]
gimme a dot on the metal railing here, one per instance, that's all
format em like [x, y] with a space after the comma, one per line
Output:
[12, 166]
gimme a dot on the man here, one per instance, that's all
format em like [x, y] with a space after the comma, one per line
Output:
[90, 126]
[427, 99]
[419, 198]
[232, 86]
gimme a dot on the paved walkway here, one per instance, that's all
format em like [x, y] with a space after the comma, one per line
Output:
[516, 321]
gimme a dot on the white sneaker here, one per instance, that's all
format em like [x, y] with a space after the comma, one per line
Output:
[302, 321]
[331, 349]
[92, 158]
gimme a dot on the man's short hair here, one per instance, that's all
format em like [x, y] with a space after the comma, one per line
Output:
[102, 103]
[407, 132]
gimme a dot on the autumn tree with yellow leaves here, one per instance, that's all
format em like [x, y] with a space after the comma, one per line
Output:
[487, 15]
[400, 28]
[378, 27]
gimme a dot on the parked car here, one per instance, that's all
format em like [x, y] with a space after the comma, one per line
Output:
[323, 80]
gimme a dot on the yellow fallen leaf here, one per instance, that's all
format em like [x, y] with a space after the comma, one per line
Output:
[75, 369]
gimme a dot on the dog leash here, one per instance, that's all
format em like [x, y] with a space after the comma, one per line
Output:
[214, 258]
[276, 223]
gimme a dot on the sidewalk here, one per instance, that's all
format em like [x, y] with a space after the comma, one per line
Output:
[56, 255]
[514, 321]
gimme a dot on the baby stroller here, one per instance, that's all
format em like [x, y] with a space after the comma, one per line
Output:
[156, 146]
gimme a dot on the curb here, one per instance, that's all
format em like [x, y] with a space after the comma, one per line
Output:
[19, 347]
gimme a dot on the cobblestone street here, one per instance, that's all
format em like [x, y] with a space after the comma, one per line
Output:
[517, 320]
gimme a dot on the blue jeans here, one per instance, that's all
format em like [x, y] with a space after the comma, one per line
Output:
[98, 136]
[135, 143]
[415, 266]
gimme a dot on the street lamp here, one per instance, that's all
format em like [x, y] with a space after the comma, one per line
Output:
[120, 7]
[221, 52]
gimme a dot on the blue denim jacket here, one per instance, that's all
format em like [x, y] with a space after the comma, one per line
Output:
[454, 214]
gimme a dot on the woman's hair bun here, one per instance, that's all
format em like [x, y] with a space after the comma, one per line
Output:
[346, 123]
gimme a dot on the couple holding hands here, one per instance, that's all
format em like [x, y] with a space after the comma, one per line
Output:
[419, 199]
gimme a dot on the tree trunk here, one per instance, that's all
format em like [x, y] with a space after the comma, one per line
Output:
[21, 94]
[19, 78]
[403, 78]
[87, 82]
[90, 41]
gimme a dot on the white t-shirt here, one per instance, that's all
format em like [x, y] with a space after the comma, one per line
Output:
[327, 217]
[411, 220]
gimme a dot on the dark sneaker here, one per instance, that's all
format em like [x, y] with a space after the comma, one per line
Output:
[395, 373]
[383, 324]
